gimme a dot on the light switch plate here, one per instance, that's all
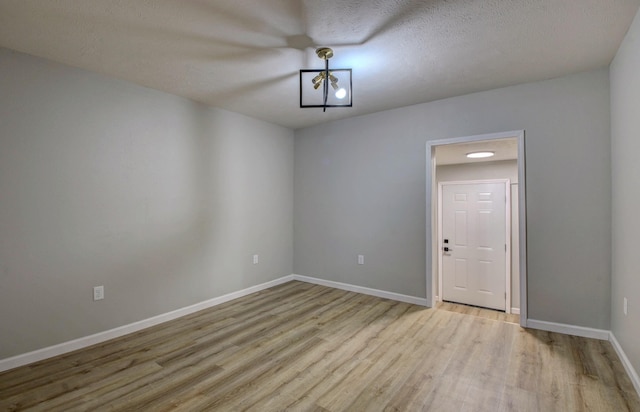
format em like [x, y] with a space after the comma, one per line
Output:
[98, 292]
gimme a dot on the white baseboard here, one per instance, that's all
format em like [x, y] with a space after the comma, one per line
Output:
[568, 329]
[65, 347]
[633, 375]
[361, 289]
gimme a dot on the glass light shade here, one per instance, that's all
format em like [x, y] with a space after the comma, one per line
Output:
[479, 155]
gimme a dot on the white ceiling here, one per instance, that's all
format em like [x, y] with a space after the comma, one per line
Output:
[504, 149]
[244, 55]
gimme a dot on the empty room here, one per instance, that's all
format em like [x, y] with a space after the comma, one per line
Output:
[296, 205]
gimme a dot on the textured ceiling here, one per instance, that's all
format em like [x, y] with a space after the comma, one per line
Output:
[245, 55]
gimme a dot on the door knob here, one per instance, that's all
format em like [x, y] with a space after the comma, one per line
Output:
[446, 249]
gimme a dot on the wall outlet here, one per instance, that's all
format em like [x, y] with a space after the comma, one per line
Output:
[256, 259]
[98, 292]
[625, 304]
[360, 259]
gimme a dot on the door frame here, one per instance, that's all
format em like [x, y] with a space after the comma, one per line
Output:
[431, 198]
[507, 234]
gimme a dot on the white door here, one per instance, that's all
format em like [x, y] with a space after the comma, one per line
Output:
[474, 243]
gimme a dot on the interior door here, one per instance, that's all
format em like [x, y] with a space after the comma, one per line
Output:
[474, 217]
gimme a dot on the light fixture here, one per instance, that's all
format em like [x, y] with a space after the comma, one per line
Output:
[480, 155]
[314, 85]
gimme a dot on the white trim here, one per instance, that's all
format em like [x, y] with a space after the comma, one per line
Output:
[568, 329]
[65, 347]
[439, 241]
[364, 290]
[507, 244]
[431, 235]
[515, 311]
[633, 375]
[522, 214]
[507, 234]
[522, 229]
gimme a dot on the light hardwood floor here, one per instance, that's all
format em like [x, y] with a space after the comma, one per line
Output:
[302, 347]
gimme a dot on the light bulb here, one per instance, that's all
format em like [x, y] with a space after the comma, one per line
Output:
[341, 93]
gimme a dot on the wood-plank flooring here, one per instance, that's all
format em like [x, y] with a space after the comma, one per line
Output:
[303, 347]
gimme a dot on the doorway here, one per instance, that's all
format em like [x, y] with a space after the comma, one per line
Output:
[518, 235]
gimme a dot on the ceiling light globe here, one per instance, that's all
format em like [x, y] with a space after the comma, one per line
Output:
[479, 155]
[341, 93]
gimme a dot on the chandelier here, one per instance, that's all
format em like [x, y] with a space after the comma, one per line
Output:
[325, 87]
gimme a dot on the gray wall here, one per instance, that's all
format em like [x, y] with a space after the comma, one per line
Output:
[505, 169]
[625, 127]
[359, 187]
[164, 201]
[161, 200]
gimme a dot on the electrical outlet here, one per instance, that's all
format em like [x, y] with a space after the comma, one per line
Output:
[360, 259]
[256, 259]
[625, 305]
[98, 292]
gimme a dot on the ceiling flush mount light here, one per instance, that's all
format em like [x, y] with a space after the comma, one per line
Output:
[325, 87]
[480, 155]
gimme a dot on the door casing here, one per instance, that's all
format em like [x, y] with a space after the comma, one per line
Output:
[431, 216]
